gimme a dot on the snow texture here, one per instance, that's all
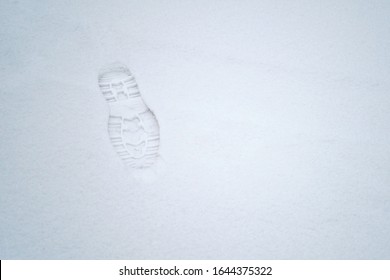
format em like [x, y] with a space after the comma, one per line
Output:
[274, 125]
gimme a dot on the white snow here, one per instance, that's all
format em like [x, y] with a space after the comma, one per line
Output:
[274, 120]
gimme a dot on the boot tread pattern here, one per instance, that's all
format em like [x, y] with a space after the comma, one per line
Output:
[133, 129]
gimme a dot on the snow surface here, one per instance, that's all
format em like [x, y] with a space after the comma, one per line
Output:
[274, 121]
